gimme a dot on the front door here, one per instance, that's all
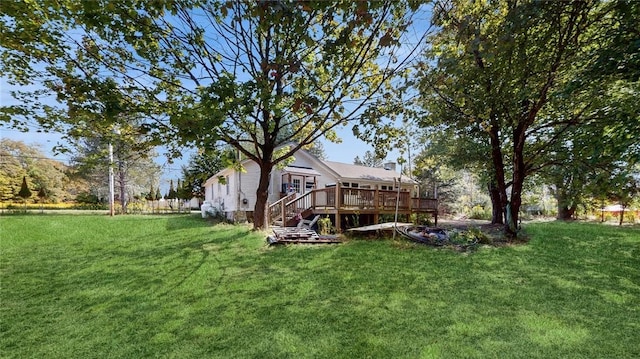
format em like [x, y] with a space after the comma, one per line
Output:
[296, 183]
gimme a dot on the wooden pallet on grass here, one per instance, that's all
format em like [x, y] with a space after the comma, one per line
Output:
[285, 235]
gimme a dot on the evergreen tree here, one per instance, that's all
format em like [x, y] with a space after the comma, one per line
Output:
[150, 195]
[171, 195]
[172, 191]
[42, 193]
[25, 192]
[157, 197]
[369, 160]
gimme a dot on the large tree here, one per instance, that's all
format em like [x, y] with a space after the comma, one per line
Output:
[203, 165]
[496, 66]
[133, 166]
[239, 72]
[598, 157]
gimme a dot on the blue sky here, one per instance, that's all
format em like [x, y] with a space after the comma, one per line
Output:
[343, 152]
[340, 152]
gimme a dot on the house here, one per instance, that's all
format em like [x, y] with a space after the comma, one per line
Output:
[309, 187]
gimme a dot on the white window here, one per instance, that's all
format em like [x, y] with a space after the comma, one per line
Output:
[228, 189]
[296, 185]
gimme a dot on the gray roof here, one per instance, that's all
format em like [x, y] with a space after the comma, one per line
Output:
[355, 172]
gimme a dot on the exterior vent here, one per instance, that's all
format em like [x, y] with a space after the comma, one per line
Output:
[390, 166]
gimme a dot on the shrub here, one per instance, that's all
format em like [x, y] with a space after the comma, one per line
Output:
[91, 206]
[324, 225]
[469, 236]
[86, 197]
[629, 217]
[479, 212]
[479, 236]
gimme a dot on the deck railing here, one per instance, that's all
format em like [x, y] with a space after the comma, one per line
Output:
[424, 204]
[356, 198]
[299, 204]
[277, 209]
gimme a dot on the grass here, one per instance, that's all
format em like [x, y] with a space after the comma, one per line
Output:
[179, 287]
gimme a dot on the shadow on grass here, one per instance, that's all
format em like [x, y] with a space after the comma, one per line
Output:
[179, 222]
[217, 291]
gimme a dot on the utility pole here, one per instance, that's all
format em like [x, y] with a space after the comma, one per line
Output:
[395, 224]
[111, 195]
[116, 131]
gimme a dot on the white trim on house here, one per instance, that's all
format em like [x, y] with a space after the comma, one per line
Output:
[301, 171]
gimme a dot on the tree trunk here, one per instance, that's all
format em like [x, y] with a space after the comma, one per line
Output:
[513, 211]
[497, 212]
[519, 173]
[621, 215]
[262, 197]
[565, 213]
[500, 187]
[566, 207]
[122, 182]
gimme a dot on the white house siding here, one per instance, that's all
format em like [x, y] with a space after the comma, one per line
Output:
[218, 194]
[243, 185]
[248, 184]
[303, 159]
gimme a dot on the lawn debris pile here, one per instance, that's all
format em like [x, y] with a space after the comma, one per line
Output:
[288, 235]
[461, 240]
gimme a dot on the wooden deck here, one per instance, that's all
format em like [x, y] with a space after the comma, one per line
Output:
[341, 204]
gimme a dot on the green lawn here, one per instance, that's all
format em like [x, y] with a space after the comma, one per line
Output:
[80, 286]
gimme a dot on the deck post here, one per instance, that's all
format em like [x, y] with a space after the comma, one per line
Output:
[376, 202]
[435, 216]
[339, 202]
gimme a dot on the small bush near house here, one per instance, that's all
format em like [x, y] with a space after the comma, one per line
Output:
[479, 212]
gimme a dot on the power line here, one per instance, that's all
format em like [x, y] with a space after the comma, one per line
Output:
[34, 157]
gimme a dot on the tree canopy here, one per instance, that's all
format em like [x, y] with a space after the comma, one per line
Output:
[509, 80]
[509, 89]
[240, 72]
